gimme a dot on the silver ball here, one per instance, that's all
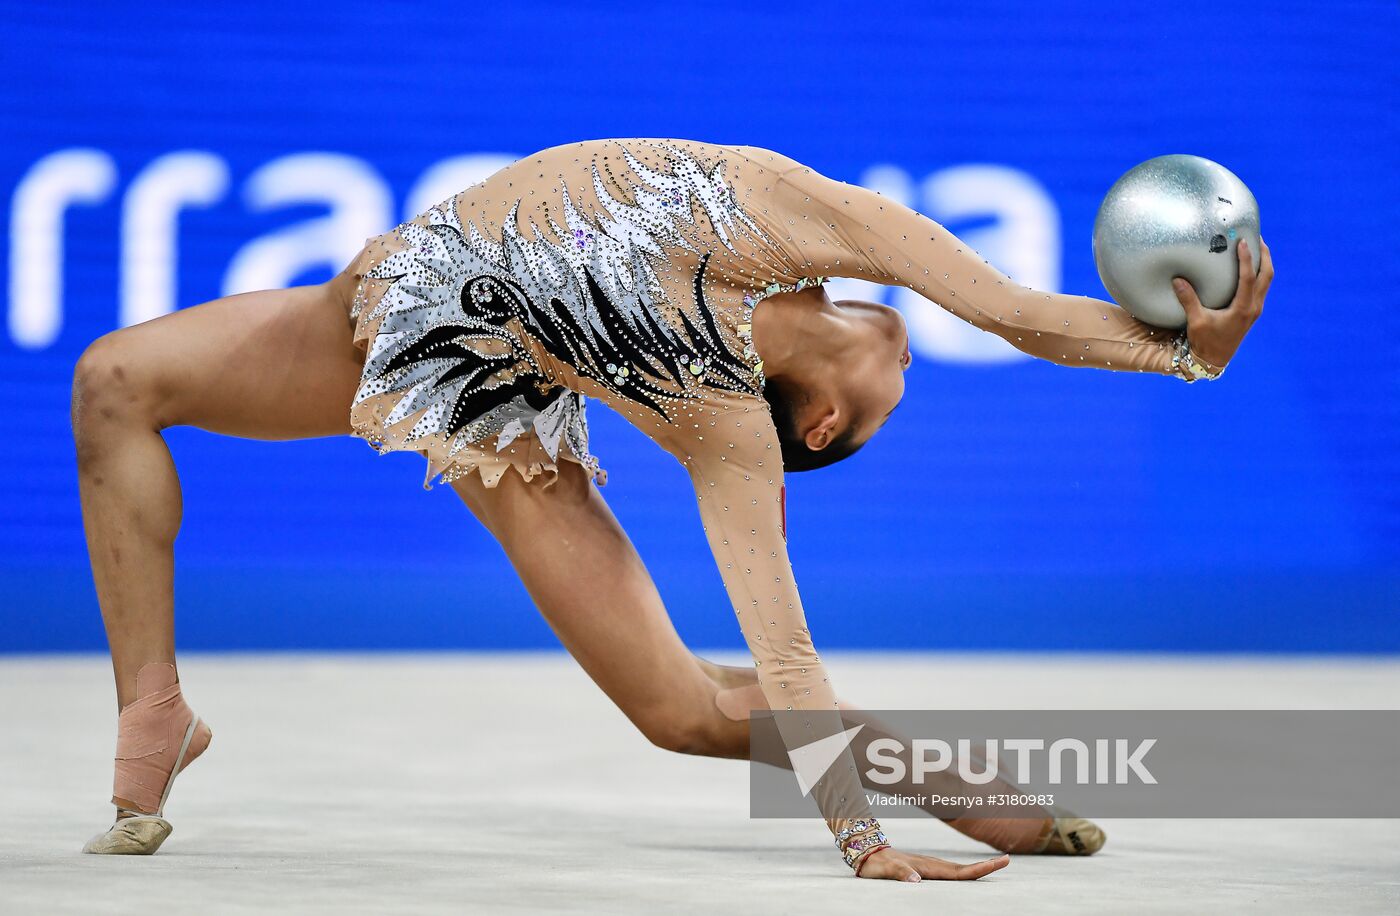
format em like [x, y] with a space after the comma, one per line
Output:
[1174, 216]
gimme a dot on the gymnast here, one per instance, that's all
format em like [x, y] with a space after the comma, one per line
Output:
[681, 284]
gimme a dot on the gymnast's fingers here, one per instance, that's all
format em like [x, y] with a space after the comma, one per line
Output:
[951, 871]
[908, 867]
[1266, 275]
[1186, 295]
[1244, 293]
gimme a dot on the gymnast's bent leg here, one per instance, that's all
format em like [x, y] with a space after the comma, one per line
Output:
[596, 594]
[266, 365]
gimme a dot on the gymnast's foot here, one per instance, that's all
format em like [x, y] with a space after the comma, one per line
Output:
[158, 735]
[1060, 834]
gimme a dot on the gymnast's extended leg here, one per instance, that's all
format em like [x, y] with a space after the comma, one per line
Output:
[266, 365]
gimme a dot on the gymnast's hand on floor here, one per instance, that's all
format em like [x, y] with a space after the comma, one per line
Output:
[893, 865]
[1215, 334]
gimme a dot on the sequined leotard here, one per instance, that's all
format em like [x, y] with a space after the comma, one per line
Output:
[627, 271]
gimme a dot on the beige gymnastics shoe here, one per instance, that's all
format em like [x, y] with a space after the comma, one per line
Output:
[1073, 836]
[158, 736]
[131, 836]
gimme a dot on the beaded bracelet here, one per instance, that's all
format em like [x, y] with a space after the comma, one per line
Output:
[1189, 365]
[858, 841]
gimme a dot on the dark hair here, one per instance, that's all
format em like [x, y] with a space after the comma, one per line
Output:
[783, 403]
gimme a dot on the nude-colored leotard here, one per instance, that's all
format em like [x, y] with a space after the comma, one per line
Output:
[627, 270]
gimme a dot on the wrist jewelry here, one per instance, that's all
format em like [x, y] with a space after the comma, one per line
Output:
[859, 840]
[1190, 366]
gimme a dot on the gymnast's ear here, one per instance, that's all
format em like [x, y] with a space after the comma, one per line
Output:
[820, 426]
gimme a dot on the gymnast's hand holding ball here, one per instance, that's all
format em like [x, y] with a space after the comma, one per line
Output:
[1216, 333]
[1177, 244]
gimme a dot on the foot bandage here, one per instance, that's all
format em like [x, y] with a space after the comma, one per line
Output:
[157, 736]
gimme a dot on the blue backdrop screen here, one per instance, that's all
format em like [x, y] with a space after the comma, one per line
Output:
[158, 157]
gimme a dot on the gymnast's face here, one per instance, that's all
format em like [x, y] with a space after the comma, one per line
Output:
[872, 382]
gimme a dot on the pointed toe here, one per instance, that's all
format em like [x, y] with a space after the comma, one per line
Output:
[131, 836]
[1075, 836]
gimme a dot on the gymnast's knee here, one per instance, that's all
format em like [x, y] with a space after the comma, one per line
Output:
[109, 392]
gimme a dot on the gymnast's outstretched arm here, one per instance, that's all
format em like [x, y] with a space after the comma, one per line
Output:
[830, 228]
